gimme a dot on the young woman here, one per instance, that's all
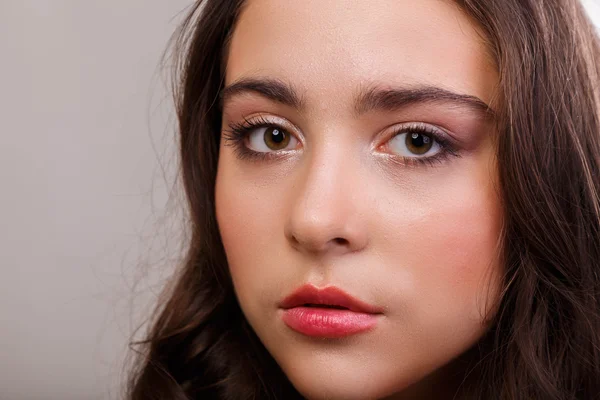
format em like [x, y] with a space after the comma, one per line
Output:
[390, 199]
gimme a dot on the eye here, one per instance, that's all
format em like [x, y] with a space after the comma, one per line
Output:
[270, 138]
[418, 141]
[420, 144]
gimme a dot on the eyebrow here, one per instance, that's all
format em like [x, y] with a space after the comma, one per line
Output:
[372, 98]
[270, 88]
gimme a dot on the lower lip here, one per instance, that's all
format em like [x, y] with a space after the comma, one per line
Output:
[328, 322]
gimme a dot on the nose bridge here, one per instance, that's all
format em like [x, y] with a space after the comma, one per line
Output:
[325, 205]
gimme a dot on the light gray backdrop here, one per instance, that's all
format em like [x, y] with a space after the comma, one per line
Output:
[82, 103]
[86, 135]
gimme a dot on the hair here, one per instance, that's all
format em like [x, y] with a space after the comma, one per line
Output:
[544, 341]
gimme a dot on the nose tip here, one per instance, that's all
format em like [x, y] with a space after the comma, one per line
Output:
[336, 234]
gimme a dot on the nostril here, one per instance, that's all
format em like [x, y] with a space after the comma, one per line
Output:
[341, 241]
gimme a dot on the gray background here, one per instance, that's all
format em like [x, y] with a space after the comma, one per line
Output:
[88, 228]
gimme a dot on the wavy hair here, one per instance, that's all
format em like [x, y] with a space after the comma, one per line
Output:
[544, 342]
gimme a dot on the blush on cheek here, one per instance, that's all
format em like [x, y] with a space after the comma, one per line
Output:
[447, 242]
[466, 240]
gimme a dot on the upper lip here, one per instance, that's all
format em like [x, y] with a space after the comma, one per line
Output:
[329, 296]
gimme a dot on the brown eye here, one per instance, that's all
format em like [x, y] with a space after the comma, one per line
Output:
[275, 138]
[418, 143]
[270, 139]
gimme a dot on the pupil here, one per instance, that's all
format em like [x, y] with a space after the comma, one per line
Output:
[278, 137]
[419, 140]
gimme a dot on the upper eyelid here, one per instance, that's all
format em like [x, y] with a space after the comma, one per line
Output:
[437, 128]
[440, 133]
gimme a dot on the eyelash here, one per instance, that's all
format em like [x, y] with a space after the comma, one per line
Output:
[238, 132]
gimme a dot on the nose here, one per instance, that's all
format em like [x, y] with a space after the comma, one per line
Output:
[326, 209]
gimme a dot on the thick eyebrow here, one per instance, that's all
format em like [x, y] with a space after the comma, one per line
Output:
[376, 98]
[270, 88]
[373, 98]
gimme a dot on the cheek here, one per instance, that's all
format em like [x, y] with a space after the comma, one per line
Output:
[459, 256]
[446, 247]
[251, 227]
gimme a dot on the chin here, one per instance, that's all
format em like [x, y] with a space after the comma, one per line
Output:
[337, 391]
[342, 385]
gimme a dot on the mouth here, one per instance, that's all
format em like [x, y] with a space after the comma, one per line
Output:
[327, 313]
[329, 297]
[324, 306]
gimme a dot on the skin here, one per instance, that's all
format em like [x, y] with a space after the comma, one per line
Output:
[340, 206]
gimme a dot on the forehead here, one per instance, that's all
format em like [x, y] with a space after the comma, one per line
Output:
[329, 48]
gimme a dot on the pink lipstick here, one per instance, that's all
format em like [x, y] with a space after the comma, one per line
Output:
[327, 313]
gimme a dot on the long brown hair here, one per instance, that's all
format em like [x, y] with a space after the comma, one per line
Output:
[545, 339]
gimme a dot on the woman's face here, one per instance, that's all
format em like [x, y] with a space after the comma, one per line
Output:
[365, 166]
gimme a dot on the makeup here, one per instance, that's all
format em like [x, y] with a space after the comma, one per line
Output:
[327, 313]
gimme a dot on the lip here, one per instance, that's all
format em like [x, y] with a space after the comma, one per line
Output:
[328, 312]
